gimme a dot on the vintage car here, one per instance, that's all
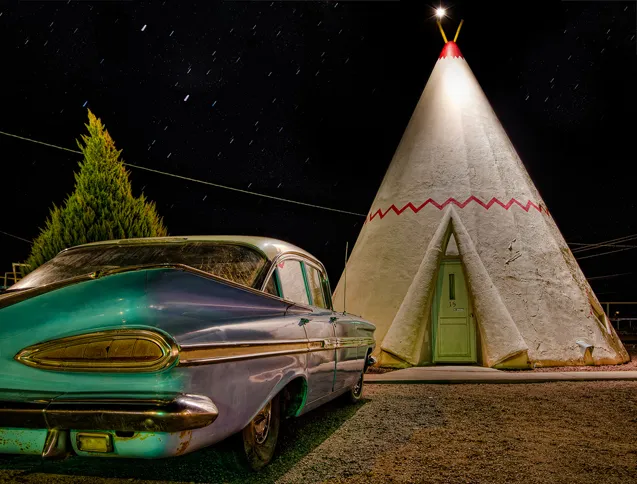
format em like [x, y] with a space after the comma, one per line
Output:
[160, 346]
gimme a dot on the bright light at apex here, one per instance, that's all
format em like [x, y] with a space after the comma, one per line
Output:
[440, 12]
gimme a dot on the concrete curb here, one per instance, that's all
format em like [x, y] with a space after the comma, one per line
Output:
[496, 377]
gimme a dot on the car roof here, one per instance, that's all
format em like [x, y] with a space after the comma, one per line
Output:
[270, 247]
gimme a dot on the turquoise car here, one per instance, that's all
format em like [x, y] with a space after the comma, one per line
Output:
[158, 347]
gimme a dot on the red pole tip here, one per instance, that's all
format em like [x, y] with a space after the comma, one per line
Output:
[450, 50]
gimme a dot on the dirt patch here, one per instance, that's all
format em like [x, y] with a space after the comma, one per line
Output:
[379, 370]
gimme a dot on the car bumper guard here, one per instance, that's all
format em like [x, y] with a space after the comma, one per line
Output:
[169, 413]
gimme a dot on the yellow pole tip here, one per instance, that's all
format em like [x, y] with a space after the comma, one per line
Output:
[458, 31]
[442, 32]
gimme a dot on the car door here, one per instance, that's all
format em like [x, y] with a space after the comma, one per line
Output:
[319, 328]
[350, 355]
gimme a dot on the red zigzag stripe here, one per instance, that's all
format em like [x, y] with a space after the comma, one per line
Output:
[440, 206]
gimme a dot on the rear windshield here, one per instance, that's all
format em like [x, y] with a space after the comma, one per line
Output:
[235, 263]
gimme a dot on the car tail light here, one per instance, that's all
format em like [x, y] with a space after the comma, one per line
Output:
[126, 350]
[94, 442]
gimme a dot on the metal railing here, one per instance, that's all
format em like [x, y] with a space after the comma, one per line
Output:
[17, 272]
[607, 304]
[626, 327]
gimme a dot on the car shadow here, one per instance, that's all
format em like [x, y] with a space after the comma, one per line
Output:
[297, 438]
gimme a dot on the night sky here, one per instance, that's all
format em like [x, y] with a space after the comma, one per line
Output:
[308, 101]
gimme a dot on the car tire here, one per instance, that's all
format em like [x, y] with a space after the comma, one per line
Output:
[355, 393]
[253, 447]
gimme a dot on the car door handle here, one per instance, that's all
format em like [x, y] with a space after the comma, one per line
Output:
[333, 319]
[304, 321]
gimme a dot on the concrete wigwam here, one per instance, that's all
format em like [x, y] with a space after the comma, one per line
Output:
[459, 259]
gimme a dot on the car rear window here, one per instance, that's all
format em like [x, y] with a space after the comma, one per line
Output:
[235, 263]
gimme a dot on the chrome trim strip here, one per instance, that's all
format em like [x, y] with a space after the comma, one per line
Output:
[173, 414]
[298, 255]
[205, 354]
[220, 352]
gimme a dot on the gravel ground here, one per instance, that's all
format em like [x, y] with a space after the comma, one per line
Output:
[576, 432]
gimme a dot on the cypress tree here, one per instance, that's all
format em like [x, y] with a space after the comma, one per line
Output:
[102, 205]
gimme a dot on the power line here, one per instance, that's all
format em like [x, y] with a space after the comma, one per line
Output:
[195, 180]
[627, 238]
[14, 236]
[604, 253]
[605, 245]
[611, 241]
[609, 276]
[247, 192]
[40, 142]
[585, 247]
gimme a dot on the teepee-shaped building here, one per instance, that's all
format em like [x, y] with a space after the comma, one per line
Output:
[459, 259]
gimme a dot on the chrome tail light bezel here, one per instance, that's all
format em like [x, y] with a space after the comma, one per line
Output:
[32, 355]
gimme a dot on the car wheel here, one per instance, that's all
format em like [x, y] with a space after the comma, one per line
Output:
[261, 434]
[356, 392]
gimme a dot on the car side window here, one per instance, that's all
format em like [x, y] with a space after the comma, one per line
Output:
[315, 282]
[292, 281]
[270, 287]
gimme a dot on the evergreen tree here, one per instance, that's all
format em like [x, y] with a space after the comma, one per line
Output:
[102, 206]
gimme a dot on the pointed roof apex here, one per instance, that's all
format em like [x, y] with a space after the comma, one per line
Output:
[450, 49]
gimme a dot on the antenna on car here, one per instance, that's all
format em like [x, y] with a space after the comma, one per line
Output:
[345, 277]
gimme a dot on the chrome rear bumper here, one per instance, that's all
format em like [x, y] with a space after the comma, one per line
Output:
[167, 413]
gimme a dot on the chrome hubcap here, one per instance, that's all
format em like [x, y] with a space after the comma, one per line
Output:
[358, 388]
[261, 423]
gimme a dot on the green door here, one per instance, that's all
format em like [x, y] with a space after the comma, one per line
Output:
[454, 325]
